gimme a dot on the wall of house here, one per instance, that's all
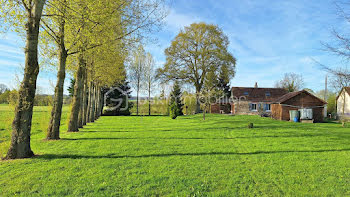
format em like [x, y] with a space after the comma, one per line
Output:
[340, 103]
[216, 108]
[242, 108]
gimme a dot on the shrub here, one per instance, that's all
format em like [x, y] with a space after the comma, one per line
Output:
[174, 111]
[13, 98]
[250, 125]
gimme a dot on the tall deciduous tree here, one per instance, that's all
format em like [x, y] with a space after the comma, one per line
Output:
[197, 50]
[149, 78]
[32, 12]
[136, 72]
[291, 82]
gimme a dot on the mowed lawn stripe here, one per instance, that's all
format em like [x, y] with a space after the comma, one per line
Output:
[150, 156]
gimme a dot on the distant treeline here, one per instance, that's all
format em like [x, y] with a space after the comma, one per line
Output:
[11, 97]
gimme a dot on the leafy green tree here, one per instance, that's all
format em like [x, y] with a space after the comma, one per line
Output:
[210, 91]
[197, 50]
[5, 96]
[24, 15]
[176, 97]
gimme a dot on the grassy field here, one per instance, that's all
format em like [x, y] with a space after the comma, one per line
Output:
[157, 156]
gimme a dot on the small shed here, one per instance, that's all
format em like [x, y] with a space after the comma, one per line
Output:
[298, 101]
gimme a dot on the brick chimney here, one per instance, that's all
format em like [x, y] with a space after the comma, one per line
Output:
[256, 85]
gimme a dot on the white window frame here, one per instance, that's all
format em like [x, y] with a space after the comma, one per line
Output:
[256, 107]
[269, 107]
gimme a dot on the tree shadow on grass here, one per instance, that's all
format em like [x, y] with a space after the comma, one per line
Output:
[195, 138]
[114, 156]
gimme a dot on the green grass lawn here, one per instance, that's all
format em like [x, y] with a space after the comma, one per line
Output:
[157, 156]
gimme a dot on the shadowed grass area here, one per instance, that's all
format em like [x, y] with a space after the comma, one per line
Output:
[158, 156]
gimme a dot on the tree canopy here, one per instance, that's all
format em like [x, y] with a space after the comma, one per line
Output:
[197, 50]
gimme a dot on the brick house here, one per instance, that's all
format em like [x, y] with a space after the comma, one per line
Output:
[248, 101]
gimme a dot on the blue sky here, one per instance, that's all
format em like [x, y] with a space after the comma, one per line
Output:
[268, 38]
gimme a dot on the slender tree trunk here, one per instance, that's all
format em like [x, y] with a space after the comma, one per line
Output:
[198, 104]
[73, 121]
[205, 107]
[96, 102]
[137, 101]
[21, 126]
[149, 101]
[81, 108]
[102, 103]
[92, 110]
[53, 132]
[89, 103]
[85, 99]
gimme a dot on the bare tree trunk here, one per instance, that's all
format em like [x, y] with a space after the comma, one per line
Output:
[137, 101]
[92, 110]
[98, 101]
[85, 98]
[81, 108]
[198, 104]
[149, 101]
[53, 131]
[73, 121]
[204, 112]
[21, 126]
[88, 114]
[102, 104]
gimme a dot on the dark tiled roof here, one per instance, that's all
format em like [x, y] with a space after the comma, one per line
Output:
[293, 94]
[347, 89]
[258, 94]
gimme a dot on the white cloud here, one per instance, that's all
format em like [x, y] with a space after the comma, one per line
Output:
[176, 21]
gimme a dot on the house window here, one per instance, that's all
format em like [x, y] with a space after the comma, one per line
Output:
[267, 94]
[253, 107]
[267, 107]
[246, 93]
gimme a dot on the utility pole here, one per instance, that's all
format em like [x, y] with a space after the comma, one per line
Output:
[325, 95]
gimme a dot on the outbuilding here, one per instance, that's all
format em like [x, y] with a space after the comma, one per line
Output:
[300, 100]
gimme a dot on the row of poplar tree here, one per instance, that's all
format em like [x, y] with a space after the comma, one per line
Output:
[87, 38]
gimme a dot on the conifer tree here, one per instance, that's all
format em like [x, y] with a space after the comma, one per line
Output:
[176, 97]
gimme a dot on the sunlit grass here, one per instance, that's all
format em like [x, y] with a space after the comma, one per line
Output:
[157, 156]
